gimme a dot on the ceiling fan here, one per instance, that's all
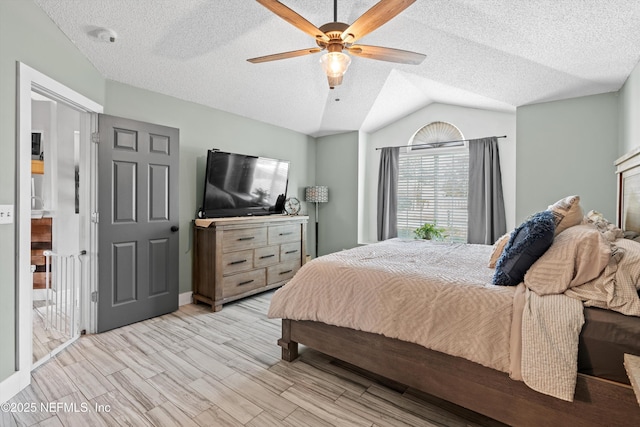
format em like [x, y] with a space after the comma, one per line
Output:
[336, 37]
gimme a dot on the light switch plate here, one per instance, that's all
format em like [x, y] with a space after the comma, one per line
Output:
[6, 214]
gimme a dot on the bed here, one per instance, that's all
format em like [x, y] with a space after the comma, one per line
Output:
[473, 367]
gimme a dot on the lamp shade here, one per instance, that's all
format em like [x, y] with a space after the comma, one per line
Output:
[335, 64]
[317, 194]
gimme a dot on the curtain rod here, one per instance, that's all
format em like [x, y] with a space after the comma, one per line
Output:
[443, 142]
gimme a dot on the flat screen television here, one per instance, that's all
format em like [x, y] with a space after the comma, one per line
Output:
[241, 185]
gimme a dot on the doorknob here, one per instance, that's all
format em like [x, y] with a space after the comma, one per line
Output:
[174, 228]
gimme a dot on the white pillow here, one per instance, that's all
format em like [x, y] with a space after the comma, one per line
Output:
[567, 213]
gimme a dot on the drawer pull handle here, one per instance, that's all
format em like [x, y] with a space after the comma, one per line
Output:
[291, 252]
[247, 238]
[267, 256]
[285, 272]
[246, 282]
[286, 233]
[237, 262]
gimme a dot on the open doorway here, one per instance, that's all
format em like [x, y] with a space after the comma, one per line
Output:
[63, 193]
[57, 244]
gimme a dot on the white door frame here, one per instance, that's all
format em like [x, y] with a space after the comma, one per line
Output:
[29, 79]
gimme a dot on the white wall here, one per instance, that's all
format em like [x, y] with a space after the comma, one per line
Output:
[629, 106]
[66, 225]
[473, 123]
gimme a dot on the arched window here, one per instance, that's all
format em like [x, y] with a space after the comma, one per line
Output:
[433, 182]
[435, 134]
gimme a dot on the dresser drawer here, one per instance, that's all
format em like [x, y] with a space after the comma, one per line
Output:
[40, 280]
[245, 238]
[37, 257]
[266, 256]
[234, 262]
[290, 251]
[237, 257]
[236, 284]
[280, 272]
[41, 230]
[284, 233]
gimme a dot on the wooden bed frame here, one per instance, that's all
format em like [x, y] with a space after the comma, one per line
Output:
[597, 401]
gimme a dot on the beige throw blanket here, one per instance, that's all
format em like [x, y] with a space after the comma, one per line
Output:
[551, 326]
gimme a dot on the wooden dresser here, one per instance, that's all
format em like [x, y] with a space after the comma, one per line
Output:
[237, 257]
[41, 233]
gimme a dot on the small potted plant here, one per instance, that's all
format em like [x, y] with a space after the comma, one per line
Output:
[429, 231]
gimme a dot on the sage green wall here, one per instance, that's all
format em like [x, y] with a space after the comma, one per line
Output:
[28, 35]
[203, 128]
[337, 168]
[564, 148]
[629, 105]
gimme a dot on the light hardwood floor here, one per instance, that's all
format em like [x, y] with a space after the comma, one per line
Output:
[44, 340]
[199, 368]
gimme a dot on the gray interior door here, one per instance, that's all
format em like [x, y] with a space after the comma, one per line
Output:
[137, 222]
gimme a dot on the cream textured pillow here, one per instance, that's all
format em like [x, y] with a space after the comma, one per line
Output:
[576, 256]
[498, 248]
[567, 213]
[608, 230]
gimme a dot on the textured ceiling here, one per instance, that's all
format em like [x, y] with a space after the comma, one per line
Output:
[493, 54]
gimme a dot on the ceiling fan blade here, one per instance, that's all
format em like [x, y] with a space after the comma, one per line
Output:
[284, 55]
[378, 15]
[386, 54]
[294, 19]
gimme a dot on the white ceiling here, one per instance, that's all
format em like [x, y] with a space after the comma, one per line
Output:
[493, 54]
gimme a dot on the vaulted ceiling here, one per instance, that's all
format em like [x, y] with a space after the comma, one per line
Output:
[491, 54]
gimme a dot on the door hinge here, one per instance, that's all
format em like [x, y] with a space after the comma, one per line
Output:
[95, 137]
[95, 217]
[94, 296]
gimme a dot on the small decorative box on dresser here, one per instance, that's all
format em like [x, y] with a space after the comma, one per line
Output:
[237, 257]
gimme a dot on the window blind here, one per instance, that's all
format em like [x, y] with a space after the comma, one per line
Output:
[433, 187]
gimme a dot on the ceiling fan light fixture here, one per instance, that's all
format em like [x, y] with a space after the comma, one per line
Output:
[335, 64]
[334, 37]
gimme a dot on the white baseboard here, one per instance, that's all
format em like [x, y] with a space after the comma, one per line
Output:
[185, 298]
[14, 384]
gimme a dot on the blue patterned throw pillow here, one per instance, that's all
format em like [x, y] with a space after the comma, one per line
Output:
[527, 243]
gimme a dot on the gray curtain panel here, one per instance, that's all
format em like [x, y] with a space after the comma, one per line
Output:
[388, 193]
[486, 204]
